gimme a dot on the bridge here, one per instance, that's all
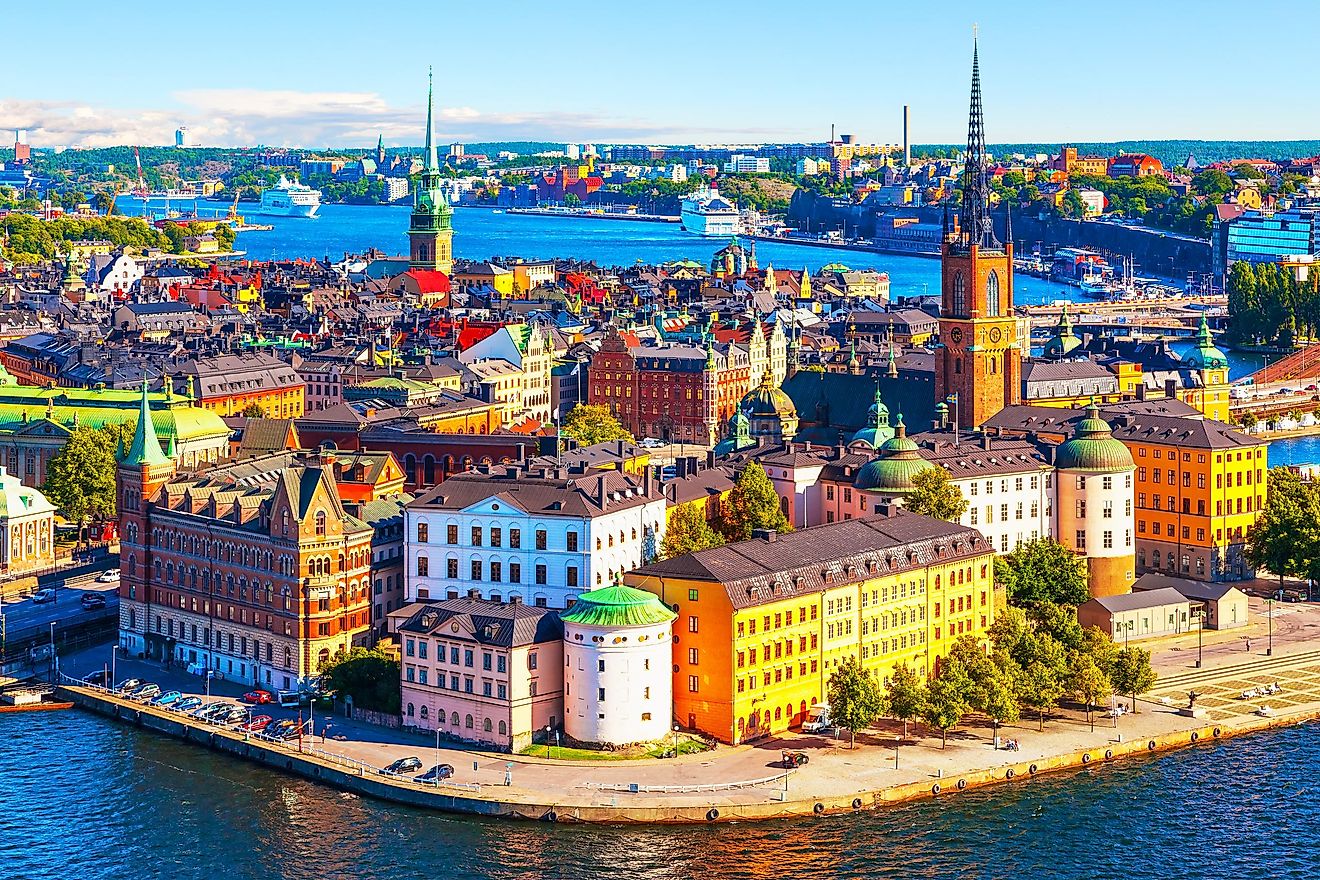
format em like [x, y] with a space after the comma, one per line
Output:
[1300, 367]
[1165, 316]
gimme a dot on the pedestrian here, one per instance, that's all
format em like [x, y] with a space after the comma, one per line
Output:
[1248, 645]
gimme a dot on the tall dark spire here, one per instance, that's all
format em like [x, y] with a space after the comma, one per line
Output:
[975, 215]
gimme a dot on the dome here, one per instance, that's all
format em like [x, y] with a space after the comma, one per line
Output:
[766, 400]
[617, 606]
[899, 461]
[1064, 341]
[877, 429]
[1205, 356]
[739, 436]
[18, 500]
[1093, 448]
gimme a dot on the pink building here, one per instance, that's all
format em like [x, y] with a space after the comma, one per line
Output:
[481, 671]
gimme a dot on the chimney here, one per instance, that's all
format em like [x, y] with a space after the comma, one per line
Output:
[474, 594]
[767, 535]
[515, 600]
[620, 447]
[1141, 391]
[710, 458]
[886, 509]
[985, 442]
[600, 490]
[1170, 388]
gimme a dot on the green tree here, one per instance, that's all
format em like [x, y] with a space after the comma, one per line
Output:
[225, 236]
[572, 200]
[991, 679]
[1088, 682]
[80, 478]
[688, 531]
[1072, 204]
[1044, 665]
[175, 234]
[254, 411]
[369, 677]
[1132, 673]
[946, 699]
[856, 698]
[1043, 570]
[1284, 538]
[907, 695]
[752, 505]
[591, 423]
[933, 495]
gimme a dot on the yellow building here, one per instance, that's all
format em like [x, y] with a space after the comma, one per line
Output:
[763, 623]
[479, 275]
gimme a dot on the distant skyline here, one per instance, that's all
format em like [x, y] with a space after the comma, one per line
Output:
[340, 74]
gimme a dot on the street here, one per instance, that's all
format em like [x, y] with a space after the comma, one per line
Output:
[25, 617]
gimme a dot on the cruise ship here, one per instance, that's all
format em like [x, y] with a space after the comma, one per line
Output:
[288, 199]
[706, 212]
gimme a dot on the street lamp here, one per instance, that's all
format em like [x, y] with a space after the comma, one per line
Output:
[1200, 628]
[437, 749]
[1269, 649]
[675, 740]
[52, 652]
[548, 728]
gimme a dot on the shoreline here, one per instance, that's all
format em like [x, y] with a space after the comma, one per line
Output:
[590, 807]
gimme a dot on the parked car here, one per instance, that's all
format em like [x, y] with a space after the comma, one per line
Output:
[206, 710]
[128, 685]
[258, 723]
[403, 765]
[109, 576]
[286, 729]
[234, 715]
[258, 697]
[291, 698]
[167, 698]
[436, 773]
[794, 759]
[187, 704]
[147, 692]
[41, 597]
[92, 601]
[652, 443]
[100, 678]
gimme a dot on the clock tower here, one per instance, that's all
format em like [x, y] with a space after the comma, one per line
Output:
[430, 229]
[979, 357]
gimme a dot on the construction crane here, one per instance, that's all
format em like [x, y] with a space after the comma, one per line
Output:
[142, 184]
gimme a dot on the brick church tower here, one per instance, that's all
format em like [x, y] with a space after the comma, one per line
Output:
[979, 357]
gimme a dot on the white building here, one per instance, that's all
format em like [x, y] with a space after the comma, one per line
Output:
[540, 534]
[27, 527]
[530, 351]
[747, 165]
[1093, 200]
[572, 151]
[618, 687]
[807, 166]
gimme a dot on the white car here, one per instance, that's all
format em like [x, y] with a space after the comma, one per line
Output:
[652, 443]
[109, 576]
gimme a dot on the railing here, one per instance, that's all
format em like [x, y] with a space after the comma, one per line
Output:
[634, 788]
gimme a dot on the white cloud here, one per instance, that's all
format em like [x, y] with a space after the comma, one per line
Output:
[285, 117]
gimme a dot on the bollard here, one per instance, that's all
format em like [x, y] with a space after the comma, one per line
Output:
[939, 772]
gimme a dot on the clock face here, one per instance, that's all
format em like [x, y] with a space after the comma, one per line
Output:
[956, 334]
[996, 334]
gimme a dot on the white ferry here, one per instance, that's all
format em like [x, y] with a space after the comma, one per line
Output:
[289, 199]
[707, 213]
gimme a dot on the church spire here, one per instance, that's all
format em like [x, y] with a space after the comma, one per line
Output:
[431, 162]
[146, 448]
[974, 217]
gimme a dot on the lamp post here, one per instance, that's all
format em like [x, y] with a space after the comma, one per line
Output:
[437, 749]
[1200, 628]
[675, 740]
[548, 728]
[114, 655]
[52, 652]
[1269, 614]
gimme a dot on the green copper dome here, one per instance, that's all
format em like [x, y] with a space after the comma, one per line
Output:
[739, 437]
[1205, 356]
[899, 461]
[766, 400]
[617, 606]
[1093, 448]
[877, 429]
[1064, 340]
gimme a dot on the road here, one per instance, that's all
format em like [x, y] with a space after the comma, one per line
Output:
[26, 616]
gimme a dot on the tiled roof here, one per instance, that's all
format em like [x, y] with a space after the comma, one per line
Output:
[498, 624]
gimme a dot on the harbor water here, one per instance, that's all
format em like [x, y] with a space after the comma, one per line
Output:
[86, 797]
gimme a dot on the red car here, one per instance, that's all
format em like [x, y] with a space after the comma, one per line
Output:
[258, 722]
[258, 698]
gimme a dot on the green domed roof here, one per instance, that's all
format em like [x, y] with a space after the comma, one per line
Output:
[739, 436]
[877, 429]
[767, 400]
[616, 606]
[899, 461]
[1205, 356]
[1064, 339]
[1093, 447]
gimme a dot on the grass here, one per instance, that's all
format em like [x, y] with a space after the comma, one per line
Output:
[567, 753]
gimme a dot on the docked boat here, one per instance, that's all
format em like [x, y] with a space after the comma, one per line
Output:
[290, 199]
[706, 212]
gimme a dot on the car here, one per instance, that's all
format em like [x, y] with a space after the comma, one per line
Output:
[204, 711]
[403, 765]
[258, 723]
[258, 697]
[167, 698]
[436, 773]
[1313, 387]
[147, 691]
[285, 729]
[187, 704]
[41, 597]
[233, 716]
[652, 443]
[794, 759]
[99, 678]
[128, 685]
[109, 576]
[1290, 596]
[92, 601]
[291, 698]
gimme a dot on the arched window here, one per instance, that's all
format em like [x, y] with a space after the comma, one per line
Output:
[453, 720]
[410, 710]
[320, 523]
[486, 726]
[424, 713]
[504, 729]
[959, 295]
[467, 722]
[992, 294]
[957, 366]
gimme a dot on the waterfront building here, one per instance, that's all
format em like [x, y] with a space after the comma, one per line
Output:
[1267, 236]
[384, 515]
[252, 568]
[763, 623]
[1135, 165]
[1144, 614]
[542, 534]
[618, 685]
[27, 527]
[481, 671]
[430, 229]
[978, 362]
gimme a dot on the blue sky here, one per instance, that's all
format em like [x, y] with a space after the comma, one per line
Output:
[336, 72]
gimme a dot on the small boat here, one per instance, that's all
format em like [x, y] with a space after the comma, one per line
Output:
[497, 211]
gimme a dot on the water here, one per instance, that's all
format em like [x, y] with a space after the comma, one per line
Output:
[84, 797]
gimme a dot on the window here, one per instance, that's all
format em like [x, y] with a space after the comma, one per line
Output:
[692, 656]
[572, 576]
[423, 566]
[451, 534]
[476, 569]
[476, 536]
[1108, 539]
[531, 660]
[515, 572]
[959, 295]
[1081, 539]
[1108, 510]
[572, 539]
[692, 623]
[992, 294]
[1107, 483]
[496, 572]
[692, 684]
[423, 533]
[540, 539]
[451, 568]
[515, 538]
[540, 573]
[320, 523]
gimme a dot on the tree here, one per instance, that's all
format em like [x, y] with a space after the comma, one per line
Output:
[1283, 540]
[1132, 673]
[591, 423]
[752, 505]
[1043, 570]
[991, 679]
[946, 699]
[688, 531]
[1088, 682]
[1044, 665]
[907, 695]
[856, 699]
[254, 411]
[369, 677]
[80, 478]
[174, 233]
[225, 236]
[933, 495]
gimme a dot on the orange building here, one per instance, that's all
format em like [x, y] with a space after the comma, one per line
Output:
[228, 384]
[763, 623]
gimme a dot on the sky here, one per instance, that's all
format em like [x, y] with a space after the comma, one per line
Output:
[338, 73]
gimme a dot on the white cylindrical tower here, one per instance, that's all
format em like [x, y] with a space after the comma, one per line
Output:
[618, 683]
[1094, 509]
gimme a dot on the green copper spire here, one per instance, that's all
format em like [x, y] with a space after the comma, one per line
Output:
[430, 229]
[432, 164]
[146, 448]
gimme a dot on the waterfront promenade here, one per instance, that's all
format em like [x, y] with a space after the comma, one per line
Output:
[745, 782]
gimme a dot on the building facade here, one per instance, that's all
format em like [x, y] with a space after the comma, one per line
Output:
[27, 527]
